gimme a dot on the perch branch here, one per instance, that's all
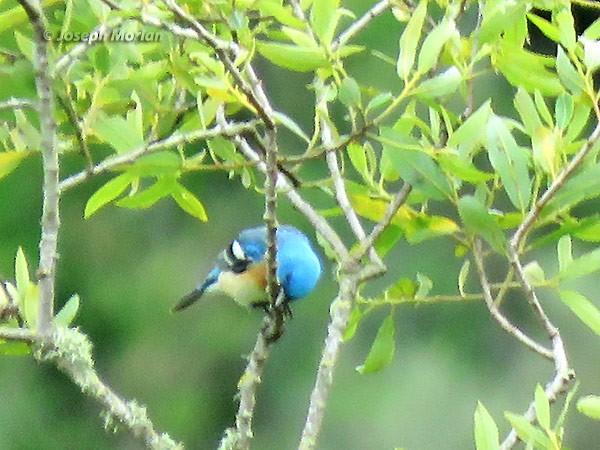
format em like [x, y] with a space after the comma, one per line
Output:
[360, 24]
[18, 103]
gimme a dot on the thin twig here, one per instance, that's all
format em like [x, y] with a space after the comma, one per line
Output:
[17, 334]
[358, 25]
[396, 203]
[18, 103]
[50, 208]
[340, 313]
[504, 323]
[130, 157]
[558, 182]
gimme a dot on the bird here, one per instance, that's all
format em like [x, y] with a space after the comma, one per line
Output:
[240, 270]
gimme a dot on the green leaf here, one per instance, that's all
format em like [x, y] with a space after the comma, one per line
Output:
[414, 166]
[293, 57]
[107, 194]
[358, 158]
[534, 273]
[550, 30]
[425, 285]
[68, 312]
[462, 276]
[565, 252]
[590, 406]
[526, 69]
[30, 305]
[324, 18]
[382, 350]
[528, 112]
[528, 433]
[355, 315]
[349, 93]
[148, 197]
[480, 222]
[472, 133]
[403, 288]
[566, 27]
[563, 111]
[584, 309]
[433, 45]
[542, 408]
[287, 122]
[497, 17]
[189, 203]
[21, 274]
[119, 133]
[582, 266]
[465, 170]
[582, 186]
[486, 430]
[441, 85]
[10, 160]
[510, 161]
[567, 73]
[410, 40]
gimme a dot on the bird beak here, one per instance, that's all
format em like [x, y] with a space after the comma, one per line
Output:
[196, 294]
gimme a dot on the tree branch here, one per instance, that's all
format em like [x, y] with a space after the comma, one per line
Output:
[50, 208]
[18, 103]
[70, 350]
[504, 323]
[130, 157]
[360, 24]
[340, 313]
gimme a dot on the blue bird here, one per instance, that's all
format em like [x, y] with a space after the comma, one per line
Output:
[240, 270]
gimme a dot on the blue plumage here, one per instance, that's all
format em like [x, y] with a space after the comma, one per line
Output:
[240, 269]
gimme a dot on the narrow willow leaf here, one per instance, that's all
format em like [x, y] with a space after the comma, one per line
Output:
[565, 252]
[549, 29]
[462, 276]
[472, 133]
[433, 45]
[582, 186]
[441, 85]
[582, 266]
[119, 133]
[324, 18]
[403, 288]
[21, 273]
[590, 406]
[189, 203]
[528, 112]
[358, 158]
[534, 273]
[30, 305]
[410, 40]
[107, 194]
[542, 408]
[563, 111]
[545, 150]
[382, 350]
[567, 73]
[68, 312]
[148, 197]
[593, 31]
[566, 27]
[287, 122]
[528, 433]
[10, 160]
[349, 93]
[462, 169]
[497, 17]
[486, 430]
[293, 57]
[584, 309]
[414, 166]
[425, 285]
[355, 315]
[542, 108]
[510, 161]
[480, 222]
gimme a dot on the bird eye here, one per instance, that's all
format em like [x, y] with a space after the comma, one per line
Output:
[237, 251]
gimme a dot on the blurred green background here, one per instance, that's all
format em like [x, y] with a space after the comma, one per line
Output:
[129, 267]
